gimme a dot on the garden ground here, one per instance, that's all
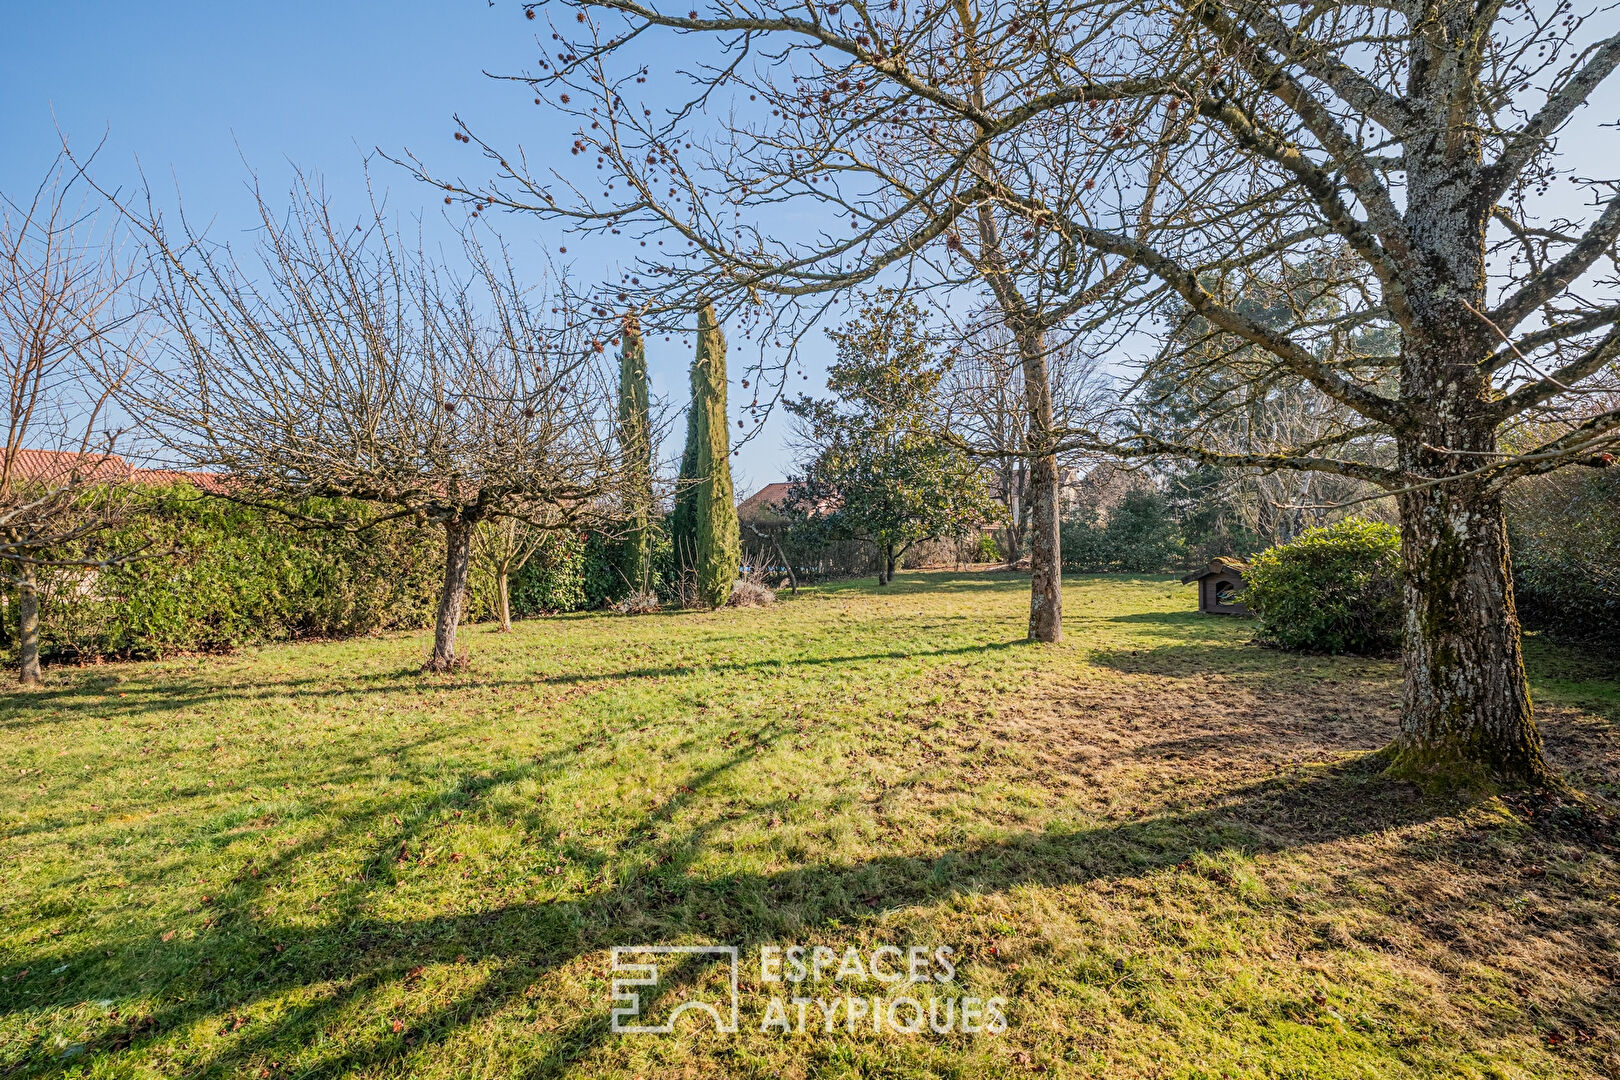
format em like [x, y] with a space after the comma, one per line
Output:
[1169, 850]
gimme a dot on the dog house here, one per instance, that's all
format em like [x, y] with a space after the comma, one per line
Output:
[1220, 587]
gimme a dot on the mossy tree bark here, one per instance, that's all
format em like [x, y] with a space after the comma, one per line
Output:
[1465, 712]
[1045, 554]
[1045, 549]
[28, 627]
[1465, 708]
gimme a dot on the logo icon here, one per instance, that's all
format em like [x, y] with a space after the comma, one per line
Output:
[635, 966]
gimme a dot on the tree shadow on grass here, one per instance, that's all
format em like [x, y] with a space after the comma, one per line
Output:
[137, 699]
[650, 894]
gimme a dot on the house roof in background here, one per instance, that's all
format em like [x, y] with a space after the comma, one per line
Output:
[769, 503]
[57, 466]
[767, 499]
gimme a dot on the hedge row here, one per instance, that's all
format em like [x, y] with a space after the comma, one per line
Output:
[1564, 532]
[243, 576]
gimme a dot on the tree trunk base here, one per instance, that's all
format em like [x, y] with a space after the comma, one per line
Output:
[446, 665]
[28, 627]
[1457, 770]
[1466, 718]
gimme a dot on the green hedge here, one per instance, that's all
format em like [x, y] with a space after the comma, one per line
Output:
[240, 576]
[1564, 533]
[1141, 537]
[244, 576]
[581, 571]
[1336, 589]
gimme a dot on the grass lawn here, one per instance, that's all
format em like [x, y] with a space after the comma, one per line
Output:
[1167, 849]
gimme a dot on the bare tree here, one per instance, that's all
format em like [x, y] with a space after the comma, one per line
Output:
[67, 330]
[338, 362]
[984, 410]
[1411, 145]
[869, 129]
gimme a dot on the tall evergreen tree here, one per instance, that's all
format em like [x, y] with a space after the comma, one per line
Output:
[704, 529]
[635, 444]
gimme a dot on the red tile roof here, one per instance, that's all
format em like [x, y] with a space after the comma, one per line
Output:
[56, 467]
[766, 499]
[767, 504]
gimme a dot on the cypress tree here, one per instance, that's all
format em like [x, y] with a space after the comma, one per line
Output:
[708, 543]
[635, 444]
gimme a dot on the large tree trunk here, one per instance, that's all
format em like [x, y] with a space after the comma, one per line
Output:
[458, 536]
[28, 627]
[1465, 709]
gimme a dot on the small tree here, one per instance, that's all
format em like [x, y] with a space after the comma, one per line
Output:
[347, 365]
[704, 528]
[502, 548]
[635, 448]
[66, 336]
[878, 471]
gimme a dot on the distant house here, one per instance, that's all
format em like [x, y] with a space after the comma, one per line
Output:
[767, 506]
[764, 507]
[57, 467]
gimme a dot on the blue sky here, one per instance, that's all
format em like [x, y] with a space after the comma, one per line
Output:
[200, 91]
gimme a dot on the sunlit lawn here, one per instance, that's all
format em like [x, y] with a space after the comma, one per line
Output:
[1166, 848]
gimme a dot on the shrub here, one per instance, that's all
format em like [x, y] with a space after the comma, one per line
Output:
[1565, 534]
[986, 550]
[239, 576]
[1335, 589]
[574, 571]
[553, 580]
[748, 593]
[639, 603]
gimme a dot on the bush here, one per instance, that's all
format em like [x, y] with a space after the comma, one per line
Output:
[577, 572]
[553, 580]
[986, 550]
[748, 593]
[1335, 589]
[639, 603]
[240, 576]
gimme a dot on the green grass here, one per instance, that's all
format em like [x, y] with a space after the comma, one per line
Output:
[1168, 849]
